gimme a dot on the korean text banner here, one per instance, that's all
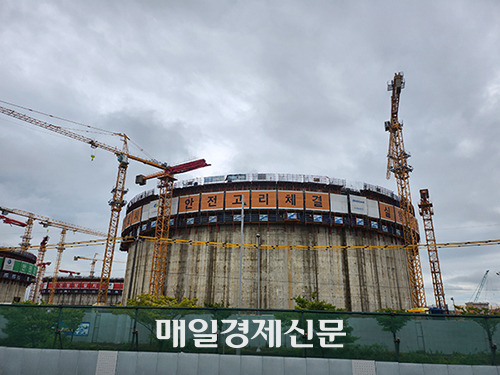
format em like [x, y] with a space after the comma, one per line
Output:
[291, 199]
[264, 199]
[387, 212]
[132, 218]
[317, 201]
[212, 201]
[235, 198]
[189, 203]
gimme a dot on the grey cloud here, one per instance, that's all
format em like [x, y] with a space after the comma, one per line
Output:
[253, 86]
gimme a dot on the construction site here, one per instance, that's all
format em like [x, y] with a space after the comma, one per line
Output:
[277, 210]
[252, 241]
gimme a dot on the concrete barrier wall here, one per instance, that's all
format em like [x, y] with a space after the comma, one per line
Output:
[18, 361]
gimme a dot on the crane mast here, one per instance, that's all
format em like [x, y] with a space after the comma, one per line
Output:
[426, 211]
[159, 261]
[162, 228]
[35, 290]
[26, 237]
[92, 266]
[116, 203]
[60, 249]
[397, 163]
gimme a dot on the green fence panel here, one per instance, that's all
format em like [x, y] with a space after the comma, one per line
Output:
[414, 338]
[28, 326]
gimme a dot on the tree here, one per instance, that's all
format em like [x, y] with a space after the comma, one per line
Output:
[314, 304]
[309, 309]
[30, 326]
[147, 317]
[392, 322]
[488, 323]
[162, 301]
[71, 318]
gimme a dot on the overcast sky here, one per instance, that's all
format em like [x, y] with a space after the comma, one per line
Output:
[257, 86]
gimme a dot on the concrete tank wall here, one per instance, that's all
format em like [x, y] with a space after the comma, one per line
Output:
[80, 290]
[17, 272]
[12, 291]
[80, 299]
[357, 280]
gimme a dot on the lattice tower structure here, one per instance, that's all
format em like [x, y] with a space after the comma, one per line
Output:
[426, 211]
[60, 250]
[26, 237]
[116, 204]
[398, 165]
[160, 250]
[35, 290]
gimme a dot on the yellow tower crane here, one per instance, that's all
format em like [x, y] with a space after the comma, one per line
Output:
[41, 266]
[426, 211]
[397, 163]
[117, 202]
[47, 222]
[93, 261]
[165, 185]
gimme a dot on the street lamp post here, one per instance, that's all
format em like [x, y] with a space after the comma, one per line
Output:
[241, 246]
[258, 270]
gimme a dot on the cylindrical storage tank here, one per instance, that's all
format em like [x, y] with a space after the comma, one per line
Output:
[17, 271]
[291, 215]
[80, 290]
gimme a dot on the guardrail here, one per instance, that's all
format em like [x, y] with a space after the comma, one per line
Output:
[417, 338]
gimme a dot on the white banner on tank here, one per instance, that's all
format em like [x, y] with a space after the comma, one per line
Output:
[372, 208]
[8, 264]
[149, 211]
[338, 203]
[358, 205]
[175, 206]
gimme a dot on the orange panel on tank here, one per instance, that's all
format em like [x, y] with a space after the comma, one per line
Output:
[132, 218]
[136, 215]
[263, 198]
[399, 219]
[317, 201]
[212, 201]
[399, 215]
[291, 199]
[415, 224]
[189, 203]
[234, 199]
[386, 211]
